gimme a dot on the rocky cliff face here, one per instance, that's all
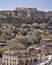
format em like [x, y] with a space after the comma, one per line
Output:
[26, 12]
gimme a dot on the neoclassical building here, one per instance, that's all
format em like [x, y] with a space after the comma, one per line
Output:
[18, 54]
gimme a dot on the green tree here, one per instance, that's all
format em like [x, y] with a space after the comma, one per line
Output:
[2, 41]
[0, 32]
[37, 40]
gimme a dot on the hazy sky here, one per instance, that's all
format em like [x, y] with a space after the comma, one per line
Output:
[39, 4]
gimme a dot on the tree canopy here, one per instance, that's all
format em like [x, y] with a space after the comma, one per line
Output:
[37, 40]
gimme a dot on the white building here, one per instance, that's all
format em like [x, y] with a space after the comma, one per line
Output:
[17, 54]
[10, 57]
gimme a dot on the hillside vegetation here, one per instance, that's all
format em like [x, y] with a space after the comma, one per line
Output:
[18, 21]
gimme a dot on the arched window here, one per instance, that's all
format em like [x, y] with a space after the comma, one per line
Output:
[7, 63]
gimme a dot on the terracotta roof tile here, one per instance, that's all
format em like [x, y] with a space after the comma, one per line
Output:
[17, 46]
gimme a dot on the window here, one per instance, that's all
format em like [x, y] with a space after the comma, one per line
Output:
[7, 59]
[15, 60]
[4, 58]
[7, 63]
[10, 59]
[10, 64]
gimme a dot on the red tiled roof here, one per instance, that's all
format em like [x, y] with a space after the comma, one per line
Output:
[17, 46]
[45, 42]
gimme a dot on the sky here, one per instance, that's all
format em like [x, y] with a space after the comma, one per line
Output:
[45, 5]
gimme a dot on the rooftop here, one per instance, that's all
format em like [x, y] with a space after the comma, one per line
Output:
[17, 46]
